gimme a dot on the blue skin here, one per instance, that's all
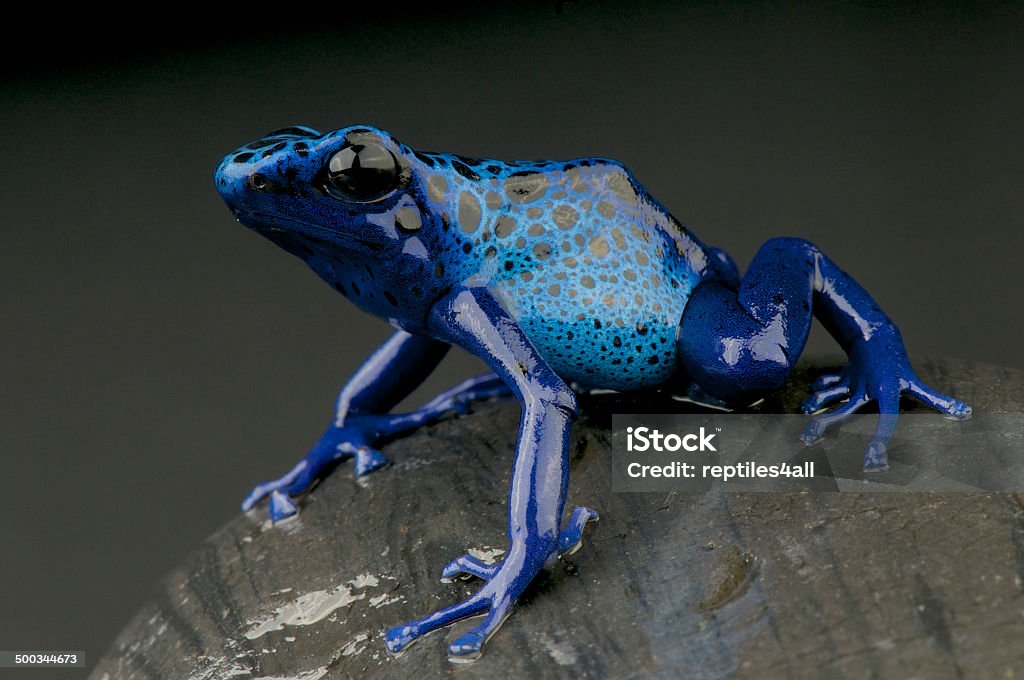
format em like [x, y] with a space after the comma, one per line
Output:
[552, 273]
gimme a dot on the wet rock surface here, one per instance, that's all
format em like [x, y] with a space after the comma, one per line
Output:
[743, 585]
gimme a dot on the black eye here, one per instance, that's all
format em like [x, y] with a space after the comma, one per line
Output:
[363, 173]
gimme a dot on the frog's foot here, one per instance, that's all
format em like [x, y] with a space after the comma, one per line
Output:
[466, 647]
[827, 389]
[571, 538]
[315, 466]
[468, 564]
[954, 408]
[506, 581]
[878, 371]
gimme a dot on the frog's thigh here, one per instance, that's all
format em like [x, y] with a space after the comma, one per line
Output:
[728, 353]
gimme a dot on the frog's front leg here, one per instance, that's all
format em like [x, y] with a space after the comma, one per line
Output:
[738, 345]
[362, 421]
[473, 319]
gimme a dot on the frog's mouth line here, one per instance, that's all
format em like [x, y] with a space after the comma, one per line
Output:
[269, 223]
[264, 221]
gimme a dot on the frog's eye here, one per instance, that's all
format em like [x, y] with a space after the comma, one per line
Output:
[362, 173]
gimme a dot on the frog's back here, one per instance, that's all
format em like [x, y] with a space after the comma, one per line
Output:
[595, 270]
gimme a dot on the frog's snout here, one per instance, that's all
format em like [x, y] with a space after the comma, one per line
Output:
[273, 162]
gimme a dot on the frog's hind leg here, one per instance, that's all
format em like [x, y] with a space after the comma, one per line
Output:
[740, 343]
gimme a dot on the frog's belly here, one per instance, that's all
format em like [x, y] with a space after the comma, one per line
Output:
[614, 334]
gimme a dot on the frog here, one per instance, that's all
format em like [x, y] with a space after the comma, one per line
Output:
[563, 277]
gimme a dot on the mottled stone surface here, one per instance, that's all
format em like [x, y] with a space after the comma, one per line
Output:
[696, 585]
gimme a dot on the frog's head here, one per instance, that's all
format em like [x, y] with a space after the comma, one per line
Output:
[311, 193]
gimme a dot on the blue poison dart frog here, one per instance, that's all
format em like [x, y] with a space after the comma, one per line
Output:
[554, 273]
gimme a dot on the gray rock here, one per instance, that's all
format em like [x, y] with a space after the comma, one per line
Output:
[743, 585]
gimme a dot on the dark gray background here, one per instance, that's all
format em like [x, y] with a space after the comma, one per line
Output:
[157, 359]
